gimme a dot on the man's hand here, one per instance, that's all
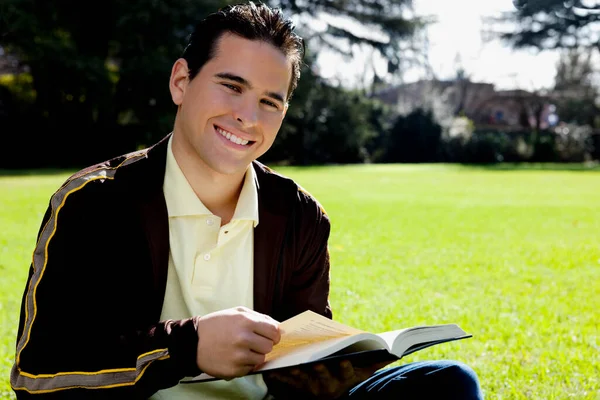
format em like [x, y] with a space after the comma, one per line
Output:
[233, 342]
[319, 382]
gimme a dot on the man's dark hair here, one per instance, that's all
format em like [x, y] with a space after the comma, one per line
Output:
[250, 21]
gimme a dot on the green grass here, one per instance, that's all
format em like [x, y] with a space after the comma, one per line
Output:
[512, 255]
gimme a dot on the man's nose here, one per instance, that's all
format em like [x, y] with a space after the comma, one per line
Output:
[247, 113]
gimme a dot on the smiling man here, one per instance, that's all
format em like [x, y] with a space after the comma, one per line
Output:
[182, 258]
[228, 115]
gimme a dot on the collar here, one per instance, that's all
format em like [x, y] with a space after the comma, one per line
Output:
[182, 200]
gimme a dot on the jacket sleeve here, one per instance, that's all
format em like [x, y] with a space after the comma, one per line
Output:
[308, 285]
[78, 336]
[307, 288]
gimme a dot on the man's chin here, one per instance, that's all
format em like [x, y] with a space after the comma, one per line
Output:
[231, 169]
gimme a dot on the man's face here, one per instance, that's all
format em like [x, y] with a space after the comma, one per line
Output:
[230, 113]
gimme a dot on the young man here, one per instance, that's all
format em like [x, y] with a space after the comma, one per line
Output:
[182, 258]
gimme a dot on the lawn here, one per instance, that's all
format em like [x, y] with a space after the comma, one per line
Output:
[512, 255]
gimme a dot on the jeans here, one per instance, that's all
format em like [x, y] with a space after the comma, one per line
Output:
[422, 380]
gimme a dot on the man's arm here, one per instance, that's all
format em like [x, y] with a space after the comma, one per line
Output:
[307, 285]
[309, 289]
[89, 327]
[77, 337]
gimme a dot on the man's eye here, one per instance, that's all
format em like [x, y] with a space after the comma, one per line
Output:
[232, 87]
[270, 104]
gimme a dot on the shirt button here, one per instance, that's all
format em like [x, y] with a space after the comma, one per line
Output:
[210, 222]
[207, 257]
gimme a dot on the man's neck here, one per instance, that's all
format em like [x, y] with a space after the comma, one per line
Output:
[218, 192]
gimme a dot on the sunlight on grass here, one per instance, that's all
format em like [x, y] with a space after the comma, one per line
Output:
[513, 256]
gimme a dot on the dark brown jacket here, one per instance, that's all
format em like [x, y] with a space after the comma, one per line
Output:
[90, 318]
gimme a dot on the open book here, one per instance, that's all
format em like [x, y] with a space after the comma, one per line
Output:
[310, 338]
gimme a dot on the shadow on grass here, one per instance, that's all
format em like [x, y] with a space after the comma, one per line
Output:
[575, 167]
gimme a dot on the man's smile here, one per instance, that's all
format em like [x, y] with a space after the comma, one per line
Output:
[231, 137]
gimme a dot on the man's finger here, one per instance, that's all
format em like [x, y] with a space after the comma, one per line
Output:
[252, 359]
[300, 375]
[322, 373]
[347, 370]
[268, 329]
[260, 344]
[286, 378]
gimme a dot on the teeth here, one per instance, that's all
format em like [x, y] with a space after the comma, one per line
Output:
[231, 137]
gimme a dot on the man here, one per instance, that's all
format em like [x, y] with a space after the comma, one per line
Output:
[182, 258]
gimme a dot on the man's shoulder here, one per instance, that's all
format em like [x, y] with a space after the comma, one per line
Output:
[109, 167]
[106, 170]
[270, 176]
[144, 165]
[274, 181]
[104, 180]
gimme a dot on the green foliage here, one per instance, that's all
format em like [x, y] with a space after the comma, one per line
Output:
[570, 143]
[19, 88]
[92, 64]
[100, 71]
[414, 138]
[480, 148]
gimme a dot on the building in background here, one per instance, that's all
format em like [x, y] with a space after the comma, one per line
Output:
[478, 101]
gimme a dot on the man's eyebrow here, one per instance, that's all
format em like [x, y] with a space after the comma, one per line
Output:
[235, 78]
[244, 82]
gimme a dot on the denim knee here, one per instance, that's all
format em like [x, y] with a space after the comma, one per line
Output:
[460, 377]
[422, 380]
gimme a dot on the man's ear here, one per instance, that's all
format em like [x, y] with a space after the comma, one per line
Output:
[178, 81]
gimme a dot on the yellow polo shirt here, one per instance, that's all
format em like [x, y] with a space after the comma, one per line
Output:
[210, 269]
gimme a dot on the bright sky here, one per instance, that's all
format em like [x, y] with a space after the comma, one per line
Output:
[458, 32]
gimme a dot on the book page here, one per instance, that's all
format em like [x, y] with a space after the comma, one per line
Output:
[304, 336]
[309, 337]
[424, 336]
[305, 329]
[391, 336]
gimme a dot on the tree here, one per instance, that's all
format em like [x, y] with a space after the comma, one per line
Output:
[384, 25]
[551, 24]
[414, 138]
[571, 26]
[575, 91]
[327, 124]
[574, 69]
[97, 70]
